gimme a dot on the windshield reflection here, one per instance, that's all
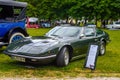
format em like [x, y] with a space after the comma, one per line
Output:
[64, 32]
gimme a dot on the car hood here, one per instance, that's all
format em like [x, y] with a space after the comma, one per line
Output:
[34, 45]
[38, 46]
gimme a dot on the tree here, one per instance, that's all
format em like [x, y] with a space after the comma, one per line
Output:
[62, 9]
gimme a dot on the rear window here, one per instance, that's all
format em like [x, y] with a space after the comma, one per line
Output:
[6, 11]
[99, 32]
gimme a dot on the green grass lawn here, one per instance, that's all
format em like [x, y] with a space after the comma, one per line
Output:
[107, 65]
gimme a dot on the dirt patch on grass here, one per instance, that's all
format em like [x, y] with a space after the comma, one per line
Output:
[67, 78]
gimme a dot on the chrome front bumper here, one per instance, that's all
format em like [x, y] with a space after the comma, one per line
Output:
[31, 59]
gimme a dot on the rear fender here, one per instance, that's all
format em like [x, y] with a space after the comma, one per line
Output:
[103, 40]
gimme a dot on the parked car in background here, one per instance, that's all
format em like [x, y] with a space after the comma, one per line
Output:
[114, 25]
[60, 45]
[90, 25]
[12, 21]
[33, 22]
[45, 24]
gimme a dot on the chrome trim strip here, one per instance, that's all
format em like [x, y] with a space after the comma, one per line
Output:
[52, 56]
[79, 56]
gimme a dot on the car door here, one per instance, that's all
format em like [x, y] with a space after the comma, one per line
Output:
[80, 45]
[90, 37]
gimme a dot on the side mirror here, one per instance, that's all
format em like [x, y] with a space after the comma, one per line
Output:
[81, 36]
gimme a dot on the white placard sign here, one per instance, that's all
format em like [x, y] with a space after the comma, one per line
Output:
[91, 57]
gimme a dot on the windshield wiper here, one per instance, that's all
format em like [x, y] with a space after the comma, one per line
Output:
[56, 36]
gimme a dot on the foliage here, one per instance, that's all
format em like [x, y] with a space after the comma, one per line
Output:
[62, 9]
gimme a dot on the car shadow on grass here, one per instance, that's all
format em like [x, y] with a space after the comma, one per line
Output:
[48, 66]
[33, 66]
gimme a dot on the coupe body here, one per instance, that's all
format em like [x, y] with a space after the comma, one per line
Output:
[61, 45]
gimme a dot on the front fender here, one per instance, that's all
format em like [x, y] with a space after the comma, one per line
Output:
[63, 45]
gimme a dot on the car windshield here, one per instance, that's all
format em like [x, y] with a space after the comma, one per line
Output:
[64, 32]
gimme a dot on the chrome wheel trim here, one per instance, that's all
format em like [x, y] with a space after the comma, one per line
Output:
[102, 49]
[66, 57]
[16, 35]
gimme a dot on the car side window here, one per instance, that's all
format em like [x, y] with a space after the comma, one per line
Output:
[89, 32]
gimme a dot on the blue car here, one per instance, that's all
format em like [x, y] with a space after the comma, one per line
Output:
[12, 21]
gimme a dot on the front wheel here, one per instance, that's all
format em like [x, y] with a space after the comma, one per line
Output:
[16, 36]
[102, 48]
[63, 57]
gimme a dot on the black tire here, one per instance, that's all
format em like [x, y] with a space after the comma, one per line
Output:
[63, 57]
[102, 48]
[16, 35]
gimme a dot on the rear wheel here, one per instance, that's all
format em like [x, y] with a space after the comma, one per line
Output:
[16, 36]
[63, 57]
[102, 48]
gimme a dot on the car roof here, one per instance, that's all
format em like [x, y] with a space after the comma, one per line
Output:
[67, 25]
[13, 3]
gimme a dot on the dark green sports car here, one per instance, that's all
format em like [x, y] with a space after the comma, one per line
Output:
[61, 45]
